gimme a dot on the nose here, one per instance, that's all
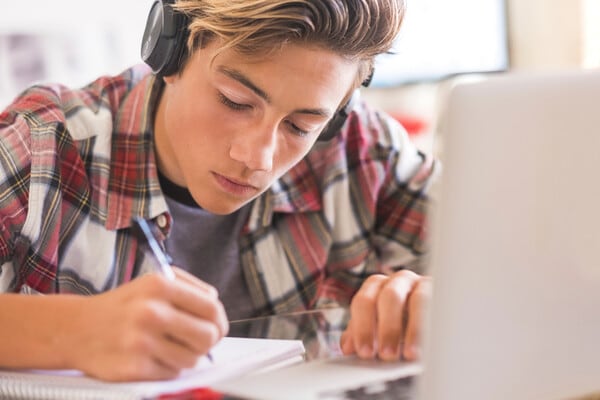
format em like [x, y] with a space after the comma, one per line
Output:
[255, 147]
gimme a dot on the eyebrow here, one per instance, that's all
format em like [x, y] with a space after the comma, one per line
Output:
[241, 78]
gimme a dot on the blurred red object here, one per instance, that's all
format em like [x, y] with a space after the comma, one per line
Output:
[413, 125]
[194, 394]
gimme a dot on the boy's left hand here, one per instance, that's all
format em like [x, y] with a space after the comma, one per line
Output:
[386, 317]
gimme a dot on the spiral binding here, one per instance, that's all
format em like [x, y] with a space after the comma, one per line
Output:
[16, 386]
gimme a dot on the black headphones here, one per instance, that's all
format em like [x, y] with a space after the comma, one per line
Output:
[164, 49]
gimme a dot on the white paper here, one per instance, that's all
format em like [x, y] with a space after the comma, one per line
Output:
[232, 357]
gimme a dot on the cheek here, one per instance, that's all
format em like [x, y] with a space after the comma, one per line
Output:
[192, 123]
[290, 153]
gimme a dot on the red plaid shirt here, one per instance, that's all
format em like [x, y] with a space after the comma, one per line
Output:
[77, 165]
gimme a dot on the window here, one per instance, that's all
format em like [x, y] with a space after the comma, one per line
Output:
[441, 38]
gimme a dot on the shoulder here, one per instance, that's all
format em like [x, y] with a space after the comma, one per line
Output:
[369, 138]
[50, 119]
[54, 104]
[371, 127]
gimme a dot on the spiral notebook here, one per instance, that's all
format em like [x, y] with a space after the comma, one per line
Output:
[232, 357]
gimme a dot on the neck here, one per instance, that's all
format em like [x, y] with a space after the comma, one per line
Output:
[165, 156]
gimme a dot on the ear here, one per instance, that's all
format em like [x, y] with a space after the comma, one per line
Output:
[170, 79]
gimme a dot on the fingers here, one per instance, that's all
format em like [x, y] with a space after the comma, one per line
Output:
[347, 342]
[416, 304]
[195, 297]
[392, 310]
[364, 316]
[187, 325]
[192, 280]
[159, 319]
[155, 356]
[149, 328]
[386, 317]
[195, 334]
[203, 307]
[196, 319]
[173, 354]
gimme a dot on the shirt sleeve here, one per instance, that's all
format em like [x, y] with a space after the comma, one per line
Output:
[401, 215]
[15, 168]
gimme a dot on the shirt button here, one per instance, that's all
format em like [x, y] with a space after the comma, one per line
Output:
[161, 221]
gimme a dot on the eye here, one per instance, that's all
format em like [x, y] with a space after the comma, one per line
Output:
[296, 130]
[232, 104]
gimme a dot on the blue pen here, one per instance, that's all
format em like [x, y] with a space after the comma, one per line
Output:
[157, 251]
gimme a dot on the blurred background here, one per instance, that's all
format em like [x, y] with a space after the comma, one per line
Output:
[442, 42]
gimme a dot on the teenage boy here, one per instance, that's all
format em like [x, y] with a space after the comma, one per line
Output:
[239, 150]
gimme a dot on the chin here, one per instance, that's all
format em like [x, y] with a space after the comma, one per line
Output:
[222, 210]
[223, 207]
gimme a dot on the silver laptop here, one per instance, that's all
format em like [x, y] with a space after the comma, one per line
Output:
[516, 259]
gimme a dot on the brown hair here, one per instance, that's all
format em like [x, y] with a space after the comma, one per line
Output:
[356, 29]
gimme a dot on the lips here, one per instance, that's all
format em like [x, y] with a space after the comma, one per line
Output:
[237, 181]
[234, 186]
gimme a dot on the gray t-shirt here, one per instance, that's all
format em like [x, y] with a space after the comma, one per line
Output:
[207, 246]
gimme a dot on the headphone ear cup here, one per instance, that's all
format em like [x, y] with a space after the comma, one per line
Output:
[164, 41]
[338, 120]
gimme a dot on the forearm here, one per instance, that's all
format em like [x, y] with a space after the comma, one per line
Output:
[35, 330]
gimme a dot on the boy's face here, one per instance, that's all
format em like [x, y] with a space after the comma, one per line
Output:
[227, 129]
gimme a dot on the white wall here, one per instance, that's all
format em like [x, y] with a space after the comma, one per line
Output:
[67, 41]
[546, 34]
[591, 33]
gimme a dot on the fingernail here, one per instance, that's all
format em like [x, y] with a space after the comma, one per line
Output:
[366, 351]
[411, 353]
[344, 345]
[388, 353]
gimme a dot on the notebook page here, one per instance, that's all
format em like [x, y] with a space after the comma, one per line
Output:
[231, 357]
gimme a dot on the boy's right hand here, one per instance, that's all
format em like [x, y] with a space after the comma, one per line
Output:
[149, 328]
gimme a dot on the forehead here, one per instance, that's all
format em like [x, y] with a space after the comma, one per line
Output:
[303, 66]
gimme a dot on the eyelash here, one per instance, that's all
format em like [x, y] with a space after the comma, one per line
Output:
[232, 104]
[296, 130]
[240, 107]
